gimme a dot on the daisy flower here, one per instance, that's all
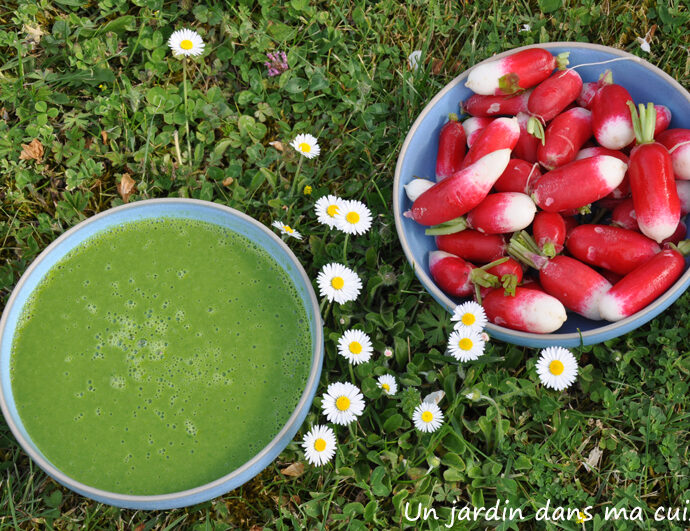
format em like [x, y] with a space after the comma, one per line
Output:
[338, 283]
[319, 445]
[427, 417]
[388, 352]
[557, 368]
[342, 403]
[355, 346]
[186, 42]
[307, 145]
[326, 208]
[388, 384]
[286, 229]
[353, 218]
[469, 314]
[466, 344]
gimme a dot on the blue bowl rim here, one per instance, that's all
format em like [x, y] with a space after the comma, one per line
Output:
[249, 469]
[592, 336]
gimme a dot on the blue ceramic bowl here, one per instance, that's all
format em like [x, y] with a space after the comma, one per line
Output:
[158, 208]
[417, 158]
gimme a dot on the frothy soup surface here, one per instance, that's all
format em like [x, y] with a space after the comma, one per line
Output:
[158, 356]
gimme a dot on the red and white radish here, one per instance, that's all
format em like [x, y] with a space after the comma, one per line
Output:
[642, 285]
[564, 137]
[623, 189]
[549, 232]
[473, 126]
[452, 144]
[529, 310]
[683, 189]
[459, 194]
[502, 212]
[677, 141]
[498, 213]
[590, 89]
[663, 119]
[451, 273]
[611, 122]
[578, 183]
[527, 144]
[501, 133]
[613, 248]
[488, 106]
[623, 215]
[554, 94]
[652, 183]
[576, 285]
[515, 72]
[473, 246]
[518, 176]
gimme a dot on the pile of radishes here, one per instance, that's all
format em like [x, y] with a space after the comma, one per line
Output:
[519, 181]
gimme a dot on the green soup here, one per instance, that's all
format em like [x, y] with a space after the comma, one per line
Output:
[159, 356]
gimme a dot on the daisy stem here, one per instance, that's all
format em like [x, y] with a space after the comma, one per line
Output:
[186, 115]
[352, 372]
[347, 236]
[296, 177]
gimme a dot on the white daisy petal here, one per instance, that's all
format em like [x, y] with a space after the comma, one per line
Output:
[427, 417]
[353, 218]
[306, 145]
[557, 368]
[326, 208]
[186, 42]
[469, 314]
[319, 445]
[338, 283]
[286, 229]
[388, 384]
[355, 346]
[466, 344]
[342, 403]
[413, 59]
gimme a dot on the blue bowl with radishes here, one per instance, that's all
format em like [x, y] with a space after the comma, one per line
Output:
[417, 212]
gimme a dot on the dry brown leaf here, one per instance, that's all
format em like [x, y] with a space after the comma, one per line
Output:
[295, 470]
[256, 528]
[227, 181]
[104, 136]
[125, 187]
[277, 145]
[34, 34]
[436, 66]
[140, 527]
[32, 151]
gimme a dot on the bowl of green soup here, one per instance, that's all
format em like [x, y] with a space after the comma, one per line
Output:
[160, 354]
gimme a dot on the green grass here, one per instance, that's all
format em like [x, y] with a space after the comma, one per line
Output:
[103, 95]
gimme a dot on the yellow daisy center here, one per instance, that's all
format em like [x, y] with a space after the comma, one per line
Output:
[343, 403]
[465, 343]
[319, 445]
[304, 147]
[386, 387]
[352, 217]
[337, 282]
[186, 44]
[556, 367]
[332, 210]
[355, 347]
[427, 416]
[288, 229]
[468, 319]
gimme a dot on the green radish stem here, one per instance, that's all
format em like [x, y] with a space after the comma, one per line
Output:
[562, 60]
[480, 276]
[535, 128]
[447, 227]
[549, 250]
[683, 247]
[509, 283]
[606, 78]
[643, 122]
[452, 117]
[525, 250]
